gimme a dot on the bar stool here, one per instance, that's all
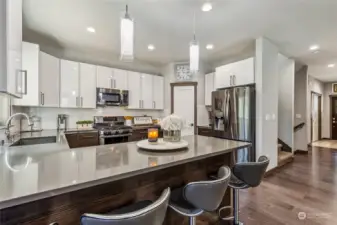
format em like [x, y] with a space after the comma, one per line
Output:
[244, 175]
[197, 197]
[140, 213]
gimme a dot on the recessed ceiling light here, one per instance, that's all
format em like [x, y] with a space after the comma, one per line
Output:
[91, 30]
[314, 47]
[331, 65]
[151, 47]
[206, 7]
[209, 46]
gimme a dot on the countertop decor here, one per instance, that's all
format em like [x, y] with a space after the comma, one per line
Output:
[162, 146]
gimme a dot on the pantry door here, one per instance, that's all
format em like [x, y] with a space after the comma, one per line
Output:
[184, 104]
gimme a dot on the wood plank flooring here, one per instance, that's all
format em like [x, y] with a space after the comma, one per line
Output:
[307, 185]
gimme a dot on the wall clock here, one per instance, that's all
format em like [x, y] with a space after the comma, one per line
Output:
[182, 72]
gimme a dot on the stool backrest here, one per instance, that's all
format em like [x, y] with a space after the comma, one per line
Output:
[251, 173]
[208, 195]
[153, 214]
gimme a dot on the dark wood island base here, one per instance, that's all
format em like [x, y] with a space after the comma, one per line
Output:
[66, 209]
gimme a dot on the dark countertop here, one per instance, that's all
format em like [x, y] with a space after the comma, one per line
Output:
[144, 127]
[205, 126]
[34, 172]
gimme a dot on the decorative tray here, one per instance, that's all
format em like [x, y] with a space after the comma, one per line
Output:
[162, 146]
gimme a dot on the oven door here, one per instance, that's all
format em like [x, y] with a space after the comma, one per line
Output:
[108, 97]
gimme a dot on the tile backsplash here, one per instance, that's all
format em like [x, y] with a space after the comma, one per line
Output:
[49, 115]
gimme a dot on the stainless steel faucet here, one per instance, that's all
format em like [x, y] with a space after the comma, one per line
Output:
[8, 122]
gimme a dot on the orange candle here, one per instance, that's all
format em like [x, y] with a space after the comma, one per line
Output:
[152, 135]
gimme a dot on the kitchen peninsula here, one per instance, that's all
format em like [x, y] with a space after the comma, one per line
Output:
[59, 185]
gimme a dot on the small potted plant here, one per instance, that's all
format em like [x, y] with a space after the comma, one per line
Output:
[84, 124]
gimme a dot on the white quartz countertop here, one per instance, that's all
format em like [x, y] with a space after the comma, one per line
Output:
[30, 173]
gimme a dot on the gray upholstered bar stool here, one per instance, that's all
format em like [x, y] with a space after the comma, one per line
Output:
[245, 175]
[140, 213]
[197, 197]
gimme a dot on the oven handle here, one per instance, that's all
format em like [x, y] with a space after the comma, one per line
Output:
[112, 136]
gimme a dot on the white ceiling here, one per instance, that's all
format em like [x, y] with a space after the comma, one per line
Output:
[231, 26]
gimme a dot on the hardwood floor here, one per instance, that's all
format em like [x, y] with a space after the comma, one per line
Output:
[307, 185]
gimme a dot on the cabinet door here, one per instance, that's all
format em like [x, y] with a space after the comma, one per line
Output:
[49, 80]
[30, 63]
[69, 84]
[209, 87]
[223, 76]
[243, 72]
[158, 92]
[146, 90]
[16, 77]
[87, 86]
[119, 79]
[134, 83]
[104, 77]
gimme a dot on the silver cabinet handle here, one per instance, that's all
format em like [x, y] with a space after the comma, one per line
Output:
[231, 80]
[111, 86]
[42, 98]
[81, 101]
[234, 80]
[140, 103]
[115, 83]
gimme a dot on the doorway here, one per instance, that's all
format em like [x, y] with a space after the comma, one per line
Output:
[333, 120]
[316, 116]
[184, 104]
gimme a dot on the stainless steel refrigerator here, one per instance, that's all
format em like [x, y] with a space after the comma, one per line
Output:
[233, 117]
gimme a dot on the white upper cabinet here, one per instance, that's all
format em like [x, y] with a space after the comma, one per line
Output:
[158, 92]
[104, 77]
[43, 81]
[134, 88]
[223, 76]
[146, 90]
[13, 80]
[209, 87]
[87, 93]
[49, 81]
[69, 84]
[119, 79]
[235, 74]
[244, 72]
[30, 63]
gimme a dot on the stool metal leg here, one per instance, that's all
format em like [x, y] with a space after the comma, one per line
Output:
[192, 220]
[236, 207]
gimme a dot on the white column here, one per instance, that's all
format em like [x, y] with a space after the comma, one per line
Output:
[266, 76]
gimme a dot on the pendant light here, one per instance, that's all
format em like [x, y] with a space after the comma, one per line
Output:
[127, 37]
[194, 52]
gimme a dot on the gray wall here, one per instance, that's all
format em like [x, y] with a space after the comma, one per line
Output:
[301, 80]
[286, 69]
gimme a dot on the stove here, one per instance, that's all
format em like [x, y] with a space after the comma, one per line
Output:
[111, 129]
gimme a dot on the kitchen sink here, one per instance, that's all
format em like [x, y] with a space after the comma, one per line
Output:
[34, 141]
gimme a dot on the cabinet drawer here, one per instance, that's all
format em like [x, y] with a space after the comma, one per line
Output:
[205, 132]
[77, 140]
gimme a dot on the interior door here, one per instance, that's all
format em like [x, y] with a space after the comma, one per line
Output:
[87, 86]
[334, 118]
[183, 106]
[314, 118]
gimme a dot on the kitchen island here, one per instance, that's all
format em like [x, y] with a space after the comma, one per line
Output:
[59, 185]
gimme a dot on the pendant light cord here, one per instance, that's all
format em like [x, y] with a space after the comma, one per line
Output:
[194, 19]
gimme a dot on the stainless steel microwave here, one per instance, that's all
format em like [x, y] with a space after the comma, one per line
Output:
[112, 97]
